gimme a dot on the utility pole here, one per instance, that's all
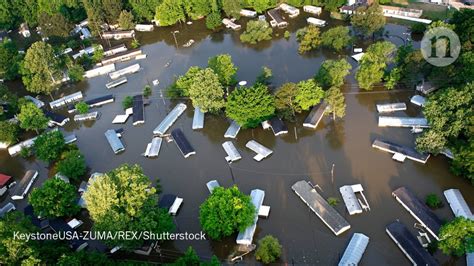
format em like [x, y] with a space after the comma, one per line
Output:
[174, 36]
[332, 174]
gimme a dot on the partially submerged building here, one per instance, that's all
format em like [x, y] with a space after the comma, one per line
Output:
[278, 127]
[68, 99]
[119, 34]
[418, 100]
[115, 50]
[153, 148]
[316, 22]
[232, 152]
[125, 71]
[6, 209]
[400, 152]
[87, 117]
[409, 245]
[458, 204]
[56, 119]
[315, 10]
[232, 130]
[245, 237]
[121, 56]
[262, 151]
[116, 83]
[315, 116]
[354, 250]
[171, 203]
[248, 13]
[391, 107]
[138, 110]
[330, 217]
[418, 210]
[198, 119]
[22, 187]
[98, 71]
[353, 204]
[170, 118]
[391, 121]
[211, 185]
[5, 182]
[276, 19]
[182, 143]
[114, 141]
[230, 24]
[144, 27]
[290, 10]
[426, 87]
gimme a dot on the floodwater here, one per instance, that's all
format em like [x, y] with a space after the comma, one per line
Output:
[302, 154]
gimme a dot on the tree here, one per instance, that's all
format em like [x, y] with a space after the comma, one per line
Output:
[369, 19]
[431, 141]
[213, 21]
[8, 132]
[72, 164]
[75, 72]
[336, 103]
[49, 146]
[256, 31]
[285, 101]
[463, 162]
[82, 107]
[264, 76]
[231, 8]
[10, 103]
[249, 106]
[144, 10]
[54, 25]
[127, 102]
[261, 5]
[55, 198]
[170, 12]
[373, 64]
[125, 20]
[123, 200]
[84, 258]
[40, 68]
[457, 236]
[10, 60]
[206, 92]
[197, 9]
[337, 38]
[333, 72]
[98, 53]
[183, 83]
[333, 5]
[393, 78]
[31, 117]
[269, 249]
[147, 91]
[224, 68]
[14, 250]
[433, 201]
[309, 38]
[308, 94]
[226, 211]
[191, 258]
[111, 10]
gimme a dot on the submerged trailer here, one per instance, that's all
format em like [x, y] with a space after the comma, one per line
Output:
[86, 117]
[389, 121]
[418, 210]
[211, 185]
[125, 71]
[354, 250]
[391, 107]
[116, 83]
[315, 116]
[401, 151]
[138, 110]
[198, 119]
[278, 127]
[409, 245]
[169, 120]
[153, 148]
[330, 217]
[22, 187]
[98, 71]
[458, 204]
[262, 151]
[114, 141]
[232, 152]
[245, 237]
[353, 204]
[182, 143]
[71, 98]
[232, 130]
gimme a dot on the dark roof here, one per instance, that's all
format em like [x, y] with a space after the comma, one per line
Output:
[24, 182]
[166, 201]
[59, 225]
[418, 208]
[278, 126]
[182, 143]
[99, 100]
[407, 151]
[29, 212]
[4, 179]
[138, 116]
[315, 115]
[58, 118]
[275, 14]
[409, 244]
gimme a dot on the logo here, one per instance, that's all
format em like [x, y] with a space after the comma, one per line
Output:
[440, 46]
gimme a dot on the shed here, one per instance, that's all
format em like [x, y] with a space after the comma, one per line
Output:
[355, 250]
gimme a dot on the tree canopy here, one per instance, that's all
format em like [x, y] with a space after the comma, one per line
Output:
[55, 198]
[333, 72]
[122, 200]
[31, 117]
[8, 132]
[336, 102]
[49, 145]
[268, 250]
[249, 106]
[126, 20]
[336, 38]
[225, 69]
[10, 60]
[293, 98]
[373, 64]
[309, 38]
[170, 12]
[225, 211]
[457, 237]
[72, 164]
[368, 19]
[256, 31]
[206, 92]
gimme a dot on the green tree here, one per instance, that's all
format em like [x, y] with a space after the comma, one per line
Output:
[8, 132]
[373, 64]
[127, 102]
[463, 162]
[264, 76]
[98, 53]
[261, 5]
[332, 5]
[84, 258]
[147, 91]
[49, 146]
[224, 68]
[17, 251]
[40, 69]
[8, 17]
[95, 15]
[10, 60]
[393, 78]
[31, 117]
[125, 20]
[269, 249]
[285, 101]
[369, 19]
[256, 31]
[123, 200]
[111, 10]
[213, 21]
[75, 72]
[433, 201]
[206, 92]
[183, 83]
[457, 236]
[231, 8]
[55, 198]
[82, 107]
[336, 102]
[309, 38]
[54, 25]
[249, 106]
[333, 72]
[226, 211]
[11, 101]
[336, 38]
[170, 12]
[308, 94]
[144, 10]
[197, 9]
[72, 164]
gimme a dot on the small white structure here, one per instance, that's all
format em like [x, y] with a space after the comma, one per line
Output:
[74, 223]
[262, 151]
[230, 24]
[144, 27]
[418, 100]
[316, 22]
[232, 130]
[211, 185]
[153, 148]
[355, 250]
[290, 10]
[353, 204]
[175, 206]
[315, 10]
[391, 107]
[232, 152]
[358, 56]
[71, 98]
[458, 204]
[120, 119]
[25, 30]
[124, 71]
[248, 13]
[98, 71]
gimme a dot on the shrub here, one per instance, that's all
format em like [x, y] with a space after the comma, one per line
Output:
[147, 91]
[269, 249]
[287, 35]
[333, 201]
[82, 107]
[213, 20]
[127, 102]
[433, 201]
[257, 31]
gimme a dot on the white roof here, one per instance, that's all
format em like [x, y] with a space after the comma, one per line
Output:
[389, 121]
[262, 151]
[232, 152]
[198, 119]
[153, 148]
[232, 130]
[74, 223]
[458, 204]
[245, 237]
[391, 107]
[354, 250]
[418, 100]
[175, 207]
[170, 118]
[350, 199]
[120, 119]
[211, 185]
[358, 56]
[264, 211]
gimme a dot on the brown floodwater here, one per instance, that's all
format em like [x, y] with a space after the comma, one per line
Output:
[302, 154]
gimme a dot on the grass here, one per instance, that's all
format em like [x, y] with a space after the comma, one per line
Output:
[433, 12]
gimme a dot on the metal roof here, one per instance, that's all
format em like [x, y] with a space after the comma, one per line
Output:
[138, 112]
[245, 237]
[278, 127]
[391, 107]
[458, 204]
[395, 148]
[22, 187]
[355, 250]
[314, 117]
[114, 141]
[232, 152]
[232, 130]
[350, 199]
[182, 142]
[170, 119]
[262, 151]
[198, 119]
[389, 121]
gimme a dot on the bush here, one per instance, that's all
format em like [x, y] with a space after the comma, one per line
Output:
[147, 91]
[72, 164]
[433, 201]
[287, 35]
[333, 201]
[127, 102]
[82, 107]
[213, 21]
[418, 28]
[257, 31]
[55, 198]
[49, 146]
[269, 249]
[135, 44]
[26, 152]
